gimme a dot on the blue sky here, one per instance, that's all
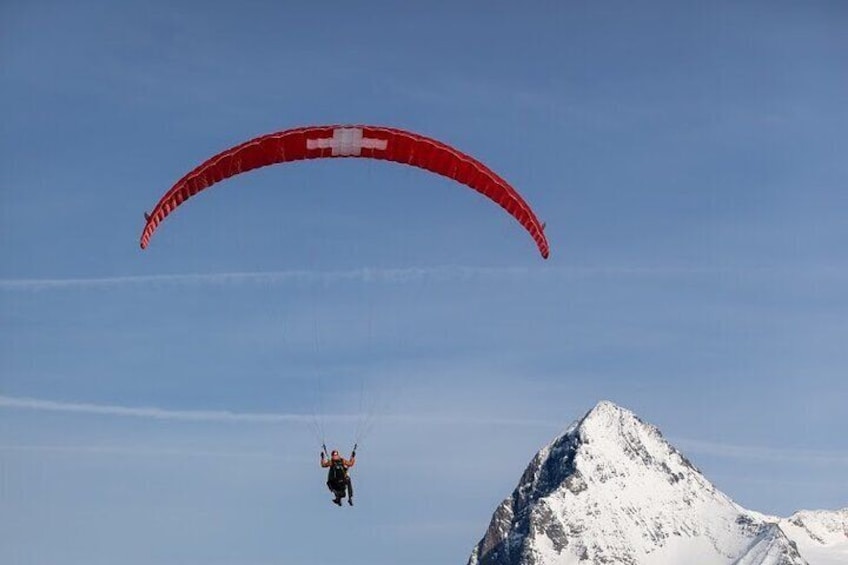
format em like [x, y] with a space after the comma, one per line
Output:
[156, 407]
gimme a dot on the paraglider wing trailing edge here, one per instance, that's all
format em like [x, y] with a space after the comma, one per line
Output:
[370, 142]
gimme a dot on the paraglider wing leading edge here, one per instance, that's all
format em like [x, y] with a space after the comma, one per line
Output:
[372, 142]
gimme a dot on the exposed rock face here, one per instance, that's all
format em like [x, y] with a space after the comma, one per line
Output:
[611, 490]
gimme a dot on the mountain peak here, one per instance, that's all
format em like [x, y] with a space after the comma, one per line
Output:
[607, 419]
[609, 408]
[619, 438]
[611, 489]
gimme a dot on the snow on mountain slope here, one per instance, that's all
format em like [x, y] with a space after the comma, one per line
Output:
[610, 489]
[821, 536]
[770, 547]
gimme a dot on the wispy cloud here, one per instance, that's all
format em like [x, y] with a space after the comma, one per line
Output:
[397, 276]
[760, 453]
[362, 275]
[144, 451]
[716, 449]
[162, 414]
[224, 416]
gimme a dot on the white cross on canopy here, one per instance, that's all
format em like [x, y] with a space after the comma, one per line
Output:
[346, 142]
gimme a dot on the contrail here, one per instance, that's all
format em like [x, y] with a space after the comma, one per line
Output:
[145, 451]
[405, 275]
[24, 403]
[362, 275]
[760, 453]
[162, 414]
[731, 451]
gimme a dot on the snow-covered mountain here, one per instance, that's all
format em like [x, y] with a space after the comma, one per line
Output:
[611, 490]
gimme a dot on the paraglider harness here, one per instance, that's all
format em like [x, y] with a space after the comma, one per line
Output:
[337, 478]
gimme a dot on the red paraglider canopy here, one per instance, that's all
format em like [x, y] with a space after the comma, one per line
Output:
[372, 142]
